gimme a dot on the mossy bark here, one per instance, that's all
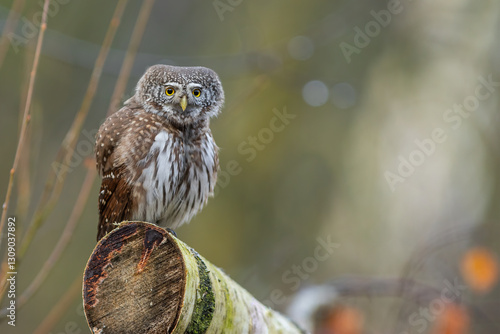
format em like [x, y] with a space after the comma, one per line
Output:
[141, 279]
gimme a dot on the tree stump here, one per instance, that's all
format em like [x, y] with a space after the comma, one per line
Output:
[141, 279]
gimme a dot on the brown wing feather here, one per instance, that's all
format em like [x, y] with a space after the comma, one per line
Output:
[115, 202]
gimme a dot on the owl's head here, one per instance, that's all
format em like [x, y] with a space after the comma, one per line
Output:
[183, 95]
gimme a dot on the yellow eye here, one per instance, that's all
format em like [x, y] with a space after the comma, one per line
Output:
[196, 92]
[170, 91]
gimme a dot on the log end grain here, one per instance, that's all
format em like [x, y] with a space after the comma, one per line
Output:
[134, 281]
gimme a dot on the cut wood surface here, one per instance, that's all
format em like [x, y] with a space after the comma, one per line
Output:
[141, 279]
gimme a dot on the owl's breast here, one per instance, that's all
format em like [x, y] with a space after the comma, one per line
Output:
[159, 172]
[177, 178]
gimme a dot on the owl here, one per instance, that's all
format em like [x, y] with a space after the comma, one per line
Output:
[156, 155]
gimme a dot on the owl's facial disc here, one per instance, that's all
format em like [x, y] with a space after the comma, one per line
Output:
[183, 95]
[183, 99]
[181, 102]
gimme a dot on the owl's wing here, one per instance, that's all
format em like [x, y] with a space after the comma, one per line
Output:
[115, 200]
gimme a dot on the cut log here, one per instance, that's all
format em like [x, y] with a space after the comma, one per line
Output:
[141, 279]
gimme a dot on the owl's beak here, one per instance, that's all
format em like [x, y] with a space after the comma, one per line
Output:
[184, 102]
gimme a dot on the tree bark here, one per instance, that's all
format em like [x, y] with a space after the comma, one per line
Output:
[141, 279]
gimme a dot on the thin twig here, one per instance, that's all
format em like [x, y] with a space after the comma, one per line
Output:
[61, 307]
[10, 25]
[26, 117]
[355, 286]
[24, 180]
[432, 246]
[55, 181]
[91, 174]
[45, 208]
[61, 243]
[135, 40]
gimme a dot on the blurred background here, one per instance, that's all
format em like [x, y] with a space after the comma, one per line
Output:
[360, 153]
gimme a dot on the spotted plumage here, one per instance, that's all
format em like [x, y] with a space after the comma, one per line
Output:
[156, 156]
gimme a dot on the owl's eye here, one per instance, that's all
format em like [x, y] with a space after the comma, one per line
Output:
[196, 92]
[170, 91]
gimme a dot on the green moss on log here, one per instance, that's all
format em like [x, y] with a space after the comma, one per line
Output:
[205, 303]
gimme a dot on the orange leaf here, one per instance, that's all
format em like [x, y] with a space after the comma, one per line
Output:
[480, 269]
[342, 320]
[453, 320]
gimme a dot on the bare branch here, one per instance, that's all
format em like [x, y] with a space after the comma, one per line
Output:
[60, 307]
[61, 243]
[135, 40]
[55, 180]
[26, 117]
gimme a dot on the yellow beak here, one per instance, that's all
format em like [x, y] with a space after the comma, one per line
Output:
[184, 102]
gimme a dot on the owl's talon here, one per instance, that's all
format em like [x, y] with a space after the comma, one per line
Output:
[171, 232]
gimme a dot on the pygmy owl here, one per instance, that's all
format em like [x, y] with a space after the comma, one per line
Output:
[156, 155]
